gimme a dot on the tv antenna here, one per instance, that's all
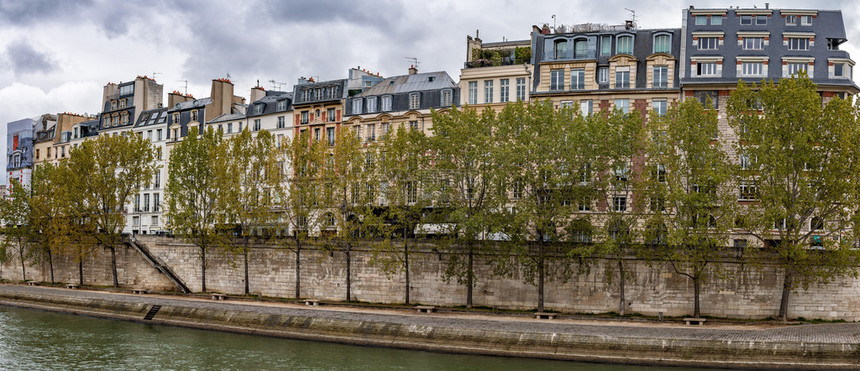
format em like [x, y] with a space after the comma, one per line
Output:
[156, 73]
[414, 61]
[276, 85]
[186, 86]
[632, 15]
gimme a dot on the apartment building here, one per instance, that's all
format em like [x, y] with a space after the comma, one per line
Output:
[122, 103]
[496, 73]
[145, 211]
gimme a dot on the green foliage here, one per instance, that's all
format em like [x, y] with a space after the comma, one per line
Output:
[17, 230]
[499, 57]
[800, 152]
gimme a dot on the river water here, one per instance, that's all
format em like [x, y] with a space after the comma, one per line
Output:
[36, 340]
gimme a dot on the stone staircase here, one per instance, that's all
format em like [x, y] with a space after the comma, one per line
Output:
[156, 263]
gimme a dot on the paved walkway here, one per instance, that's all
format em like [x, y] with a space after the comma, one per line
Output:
[833, 333]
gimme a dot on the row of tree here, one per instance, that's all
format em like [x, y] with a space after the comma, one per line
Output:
[544, 192]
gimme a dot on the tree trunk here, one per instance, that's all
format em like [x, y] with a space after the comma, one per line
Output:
[786, 291]
[697, 284]
[622, 299]
[469, 280]
[245, 253]
[23, 267]
[406, 270]
[81, 272]
[348, 272]
[298, 271]
[113, 266]
[203, 269]
[51, 265]
[541, 275]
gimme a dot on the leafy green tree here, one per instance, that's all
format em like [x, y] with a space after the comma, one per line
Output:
[47, 211]
[254, 167]
[465, 188]
[799, 154]
[689, 193]
[300, 197]
[17, 231]
[619, 145]
[403, 167]
[197, 184]
[532, 149]
[104, 174]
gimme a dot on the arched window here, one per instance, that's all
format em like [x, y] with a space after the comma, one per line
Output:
[662, 43]
[560, 48]
[624, 45]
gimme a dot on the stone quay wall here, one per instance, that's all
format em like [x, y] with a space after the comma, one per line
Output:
[649, 289]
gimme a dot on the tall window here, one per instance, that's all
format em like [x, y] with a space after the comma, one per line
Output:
[504, 90]
[386, 103]
[556, 79]
[795, 68]
[585, 107]
[580, 49]
[446, 98]
[619, 203]
[282, 105]
[708, 98]
[414, 100]
[706, 69]
[622, 77]
[146, 202]
[560, 49]
[488, 91]
[473, 92]
[603, 75]
[605, 45]
[329, 134]
[753, 43]
[371, 104]
[304, 120]
[661, 77]
[752, 69]
[331, 113]
[257, 125]
[156, 205]
[624, 45]
[709, 43]
[281, 122]
[659, 106]
[521, 88]
[662, 44]
[797, 43]
[623, 105]
[371, 132]
[356, 106]
[577, 79]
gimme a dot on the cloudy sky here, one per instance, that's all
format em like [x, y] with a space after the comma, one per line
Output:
[56, 55]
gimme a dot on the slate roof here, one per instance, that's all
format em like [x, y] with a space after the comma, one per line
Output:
[152, 117]
[411, 83]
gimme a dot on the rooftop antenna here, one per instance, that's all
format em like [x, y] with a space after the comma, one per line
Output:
[553, 21]
[414, 61]
[632, 16]
[275, 85]
[156, 73]
[186, 86]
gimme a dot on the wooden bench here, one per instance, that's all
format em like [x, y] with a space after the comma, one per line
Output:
[425, 309]
[31, 283]
[219, 297]
[544, 315]
[314, 303]
[139, 291]
[694, 321]
[71, 285]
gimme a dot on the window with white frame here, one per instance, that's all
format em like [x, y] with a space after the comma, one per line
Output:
[580, 49]
[661, 77]
[701, 20]
[624, 45]
[744, 161]
[806, 20]
[841, 70]
[577, 79]
[521, 88]
[304, 119]
[282, 105]
[370, 132]
[795, 68]
[623, 104]
[660, 106]
[414, 100]
[556, 79]
[257, 125]
[706, 69]
[752, 69]
[747, 191]
[473, 92]
[331, 114]
[281, 122]
[798, 43]
[386, 103]
[446, 98]
[716, 20]
[603, 75]
[488, 91]
[753, 43]
[371, 104]
[622, 77]
[585, 107]
[605, 45]
[504, 90]
[356, 106]
[709, 43]
[662, 44]
[791, 20]
[619, 203]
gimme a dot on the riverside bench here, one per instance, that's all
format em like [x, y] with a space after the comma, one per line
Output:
[314, 303]
[694, 321]
[425, 309]
[31, 283]
[139, 291]
[216, 296]
[544, 315]
[71, 285]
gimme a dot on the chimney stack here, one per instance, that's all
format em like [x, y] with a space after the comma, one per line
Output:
[412, 70]
[257, 93]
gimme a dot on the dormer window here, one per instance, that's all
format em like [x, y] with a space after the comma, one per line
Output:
[415, 99]
[306, 94]
[258, 108]
[662, 43]
[356, 106]
[560, 48]
[580, 48]
[386, 103]
[371, 104]
[282, 105]
[446, 98]
[624, 45]
[194, 115]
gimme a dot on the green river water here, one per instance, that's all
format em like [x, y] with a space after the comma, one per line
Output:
[35, 340]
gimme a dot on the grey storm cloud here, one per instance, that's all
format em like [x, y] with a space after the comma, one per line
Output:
[17, 12]
[24, 58]
[375, 13]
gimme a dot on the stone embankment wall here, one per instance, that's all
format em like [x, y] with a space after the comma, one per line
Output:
[648, 289]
